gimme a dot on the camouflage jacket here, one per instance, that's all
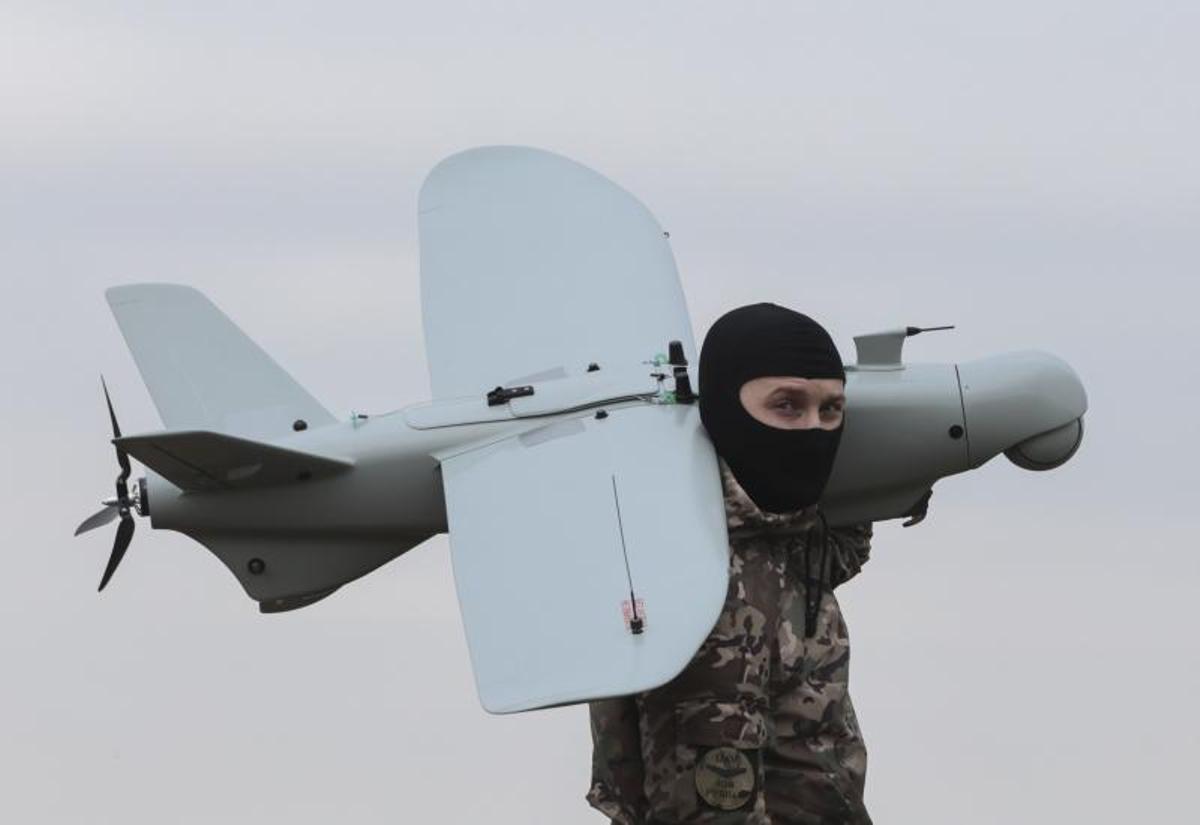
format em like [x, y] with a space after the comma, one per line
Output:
[759, 727]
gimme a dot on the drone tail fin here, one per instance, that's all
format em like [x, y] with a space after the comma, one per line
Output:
[204, 373]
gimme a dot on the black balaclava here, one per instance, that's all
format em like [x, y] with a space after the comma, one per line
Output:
[781, 470]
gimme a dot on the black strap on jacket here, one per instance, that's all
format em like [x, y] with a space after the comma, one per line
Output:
[815, 589]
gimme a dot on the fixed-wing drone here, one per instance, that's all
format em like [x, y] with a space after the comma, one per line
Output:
[562, 451]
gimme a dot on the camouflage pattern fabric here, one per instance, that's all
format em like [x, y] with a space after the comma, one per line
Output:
[759, 727]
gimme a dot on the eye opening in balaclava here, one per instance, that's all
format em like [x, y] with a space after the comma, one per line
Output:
[782, 470]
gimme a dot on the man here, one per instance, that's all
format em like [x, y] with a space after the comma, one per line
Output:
[759, 727]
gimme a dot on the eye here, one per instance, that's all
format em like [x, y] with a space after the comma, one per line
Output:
[786, 405]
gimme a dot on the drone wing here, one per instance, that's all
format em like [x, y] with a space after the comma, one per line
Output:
[568, 536]
[533, 267]
[560, 533]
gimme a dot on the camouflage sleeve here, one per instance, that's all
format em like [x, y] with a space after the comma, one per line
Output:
[617, 770]
[703, 732]
[850, 547]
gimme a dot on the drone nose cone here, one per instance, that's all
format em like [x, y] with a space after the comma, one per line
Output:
[1048, 450]
[1028, 398]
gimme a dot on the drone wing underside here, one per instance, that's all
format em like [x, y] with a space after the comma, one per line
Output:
[552, 530]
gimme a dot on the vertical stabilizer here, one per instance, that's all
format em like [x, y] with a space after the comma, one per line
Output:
[202, 371]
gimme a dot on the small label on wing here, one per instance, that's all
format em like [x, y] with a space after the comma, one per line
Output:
[627, 613]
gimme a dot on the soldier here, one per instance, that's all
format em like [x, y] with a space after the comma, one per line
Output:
[759, 727]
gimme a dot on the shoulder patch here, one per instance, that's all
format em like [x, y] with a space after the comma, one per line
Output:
[725, 778]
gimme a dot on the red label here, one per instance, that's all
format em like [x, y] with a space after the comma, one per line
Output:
[627, 612]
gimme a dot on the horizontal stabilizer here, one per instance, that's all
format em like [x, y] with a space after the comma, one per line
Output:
[197, 461]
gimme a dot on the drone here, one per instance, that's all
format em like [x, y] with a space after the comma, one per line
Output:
[562, 451]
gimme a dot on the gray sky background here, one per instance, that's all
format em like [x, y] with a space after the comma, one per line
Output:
[1025, 170]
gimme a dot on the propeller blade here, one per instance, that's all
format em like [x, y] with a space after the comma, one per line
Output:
[100, 519]
[124, 534]
[121, 457]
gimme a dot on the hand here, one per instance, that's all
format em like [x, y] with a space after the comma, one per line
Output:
[917, 513]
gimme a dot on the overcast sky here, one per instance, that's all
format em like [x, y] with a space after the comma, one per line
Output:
[1025, 170]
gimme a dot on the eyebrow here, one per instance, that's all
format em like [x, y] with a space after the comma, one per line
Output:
[829, 398]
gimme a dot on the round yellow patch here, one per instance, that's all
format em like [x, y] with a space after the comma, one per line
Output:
[725, 778]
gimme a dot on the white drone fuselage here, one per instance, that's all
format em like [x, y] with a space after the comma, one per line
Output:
[906, 428]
